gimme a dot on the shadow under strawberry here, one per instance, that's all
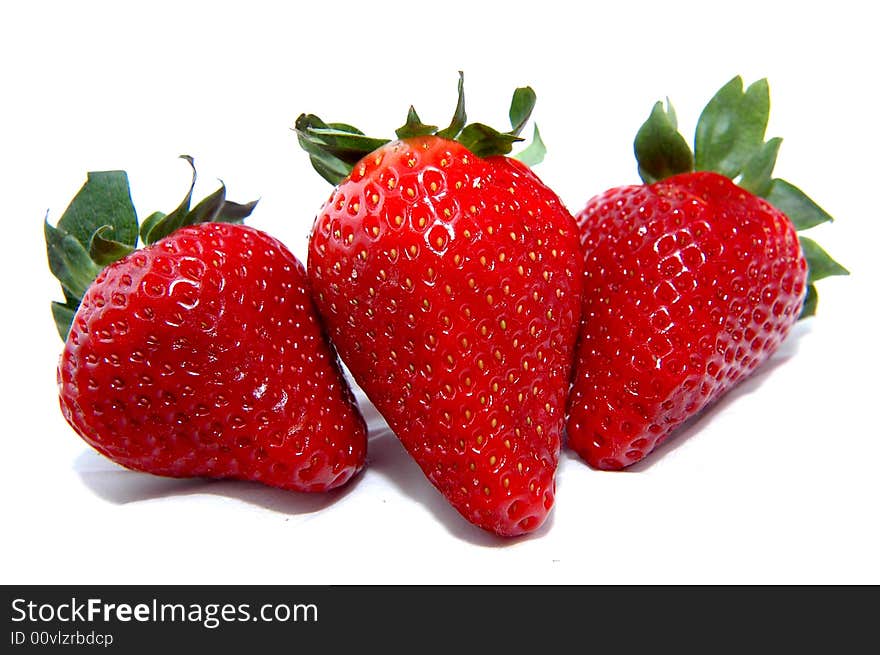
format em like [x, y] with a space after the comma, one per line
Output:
[121, 486]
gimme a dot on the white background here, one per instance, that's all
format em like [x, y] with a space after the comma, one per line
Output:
[777, 484]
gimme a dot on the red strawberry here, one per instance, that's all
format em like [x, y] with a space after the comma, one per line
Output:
[691, 281]
[449, 279]
[200, 354]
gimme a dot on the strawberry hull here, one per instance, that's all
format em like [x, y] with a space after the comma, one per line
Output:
[450, 285]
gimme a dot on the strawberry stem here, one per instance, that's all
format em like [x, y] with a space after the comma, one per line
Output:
[335, 148]
[459, 116]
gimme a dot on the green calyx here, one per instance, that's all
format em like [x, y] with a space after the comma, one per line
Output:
[729, 140]
[100, 226]
[334, 148]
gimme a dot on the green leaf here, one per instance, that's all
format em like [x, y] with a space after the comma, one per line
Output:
[342, 127]
[485, 141]
[533, 154]
[820, 263]
[660, 150]
[521, 106]
[63, 315]
[216, 209]
[69, 261]
[345, 142]
[459, 117]
[811, 300]
[149, 223]
[670, 114]
[104, 199]
[414, 126]
[758, 171]
[795, 204]
[755, 110]
[716, 127]
[338, 127]
[350, 146]
[233, 212]
[333, 148]
[731, 127]
[330, 168]
[323, 160]
[175, 220]
[208, 208]
[104, 250]
[64, 312]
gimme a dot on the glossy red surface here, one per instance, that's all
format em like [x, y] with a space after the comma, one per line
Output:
[202, 355]
[689, 285]
[451, 287]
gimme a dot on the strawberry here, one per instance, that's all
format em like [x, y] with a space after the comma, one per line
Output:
[691, 280]
[448, 276]
[200, 354]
